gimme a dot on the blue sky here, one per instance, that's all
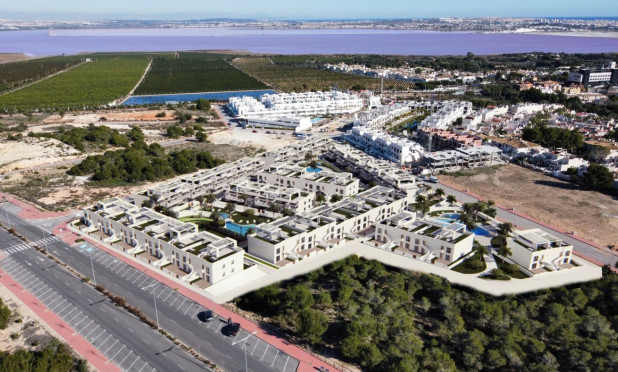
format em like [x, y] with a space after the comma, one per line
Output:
[303, 9]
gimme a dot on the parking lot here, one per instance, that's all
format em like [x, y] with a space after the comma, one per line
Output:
[185, 307]
[115, 351]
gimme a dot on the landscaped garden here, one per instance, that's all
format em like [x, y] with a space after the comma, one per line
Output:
[472, 265]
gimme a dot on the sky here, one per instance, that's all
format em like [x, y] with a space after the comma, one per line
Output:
[302, 9]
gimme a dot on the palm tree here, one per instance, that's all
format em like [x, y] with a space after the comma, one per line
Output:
[229, 208]
[200, 199]
[504, 250]
[210, 198]
[505, 228]
[451, 199]
[274, 207]
[313, 164]
[479, 249]
[439, 193]
[320, 198]
[491, 203]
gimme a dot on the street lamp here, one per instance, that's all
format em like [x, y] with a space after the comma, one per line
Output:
[44, 239]
[5, 208]
[244, 348]
[94, 278]
[155, 300]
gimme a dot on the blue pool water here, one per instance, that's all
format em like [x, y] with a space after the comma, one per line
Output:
[190, 97]
[452, 216]
[224, 215]
[314, 170]
[315, 120]
[480, 231]
[239, 229]
[447, 220]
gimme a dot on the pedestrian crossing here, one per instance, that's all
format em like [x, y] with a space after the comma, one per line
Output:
[24, 246]
[10, 208]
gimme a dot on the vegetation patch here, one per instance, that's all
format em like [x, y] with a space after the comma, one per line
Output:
[195, 72]
[16, 74]
[385, 319]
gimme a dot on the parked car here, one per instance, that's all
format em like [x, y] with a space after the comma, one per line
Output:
[233, 329]
[267, 132]
[254, 131]
[206, 316]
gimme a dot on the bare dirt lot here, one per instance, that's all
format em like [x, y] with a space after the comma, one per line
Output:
[12, 57]
[562, 204]
[31, 152]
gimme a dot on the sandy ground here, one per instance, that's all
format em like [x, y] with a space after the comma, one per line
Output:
[124, 116]
[12, 57]
[30, 152]
[590, 214]
[237, 136]
[32, 328]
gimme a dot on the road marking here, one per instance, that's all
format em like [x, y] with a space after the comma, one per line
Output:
[112, 358]
[183, 368]
[43, 294]
[92, 342]
[111, 347]
[103, 310]
[56, 299]
[256, 344]
[220, 325]
[67, 314]
[130, 276]
[103, 343]
[286, 363]
[76, 315]
[78, 292]
[164, 300]
[85, 318]
[116, 319]
[276, 355]
[57, 277]
[130, 330]
[86, 326]
[145, 364]
[189, 308]
[177, 297]
[89, 333]
[267, 345]
[63, 309]
[136, 279]
[183, 302]
[146, 341]
[122, 361]
[136, 359]
[58, 305]
[141, 284]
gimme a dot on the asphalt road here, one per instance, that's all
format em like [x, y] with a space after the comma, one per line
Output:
[522, 222]
[116, 333]
[177, 314]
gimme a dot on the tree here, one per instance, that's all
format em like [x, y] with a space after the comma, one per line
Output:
[201, 136]
[504, 251]
[174, 131]
[311, 325]
[439, 193]
[335, 198]
[210, 198]
[451, 199]
[229, 208]
[203, 105]
[313, 164]
[320, 198]
[505, 229]
[5, 315]
[309, 156]
[136, 134]
[598, 177]
[479, 249]
[274, 208]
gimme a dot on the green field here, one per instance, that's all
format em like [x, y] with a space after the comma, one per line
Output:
[302, 79]
[195, 72]
[15, 74]
[93, 84]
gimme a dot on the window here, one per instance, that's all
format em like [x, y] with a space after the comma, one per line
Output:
[232, 262]
[447, 257]
[278, 250]
[448, 250]
[415, 241]
[407, 238]
[207, 270]
[232, 269]
[534, 265]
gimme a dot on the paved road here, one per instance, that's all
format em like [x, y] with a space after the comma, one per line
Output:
[505, 215]
[178, 315]
[117, 334]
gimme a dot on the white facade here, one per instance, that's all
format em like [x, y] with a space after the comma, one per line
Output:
[325, 181]
[325, 226]
[297, 124]
[424, 239]
[165, 240]
[446, 112]
[536, 249]
[262, 196]
[378, 143]
[286, 105]
[377, 118]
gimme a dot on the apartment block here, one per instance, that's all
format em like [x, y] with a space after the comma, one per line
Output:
[322, 180]
[377, 118]
[262, 196]
[296, 237]
[461, 157]
[377, 143]
[426, 239]
[167, 243]
[536, 249]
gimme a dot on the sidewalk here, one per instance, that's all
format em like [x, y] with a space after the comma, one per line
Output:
[76, 341]
[307, 362]
[30, 212]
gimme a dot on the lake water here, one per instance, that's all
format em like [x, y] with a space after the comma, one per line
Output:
[190, 97]
[319, 41]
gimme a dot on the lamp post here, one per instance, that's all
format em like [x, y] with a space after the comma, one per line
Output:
[155, 301]
[42, 229]
[5, 208]
[94, 278]
[245, 349]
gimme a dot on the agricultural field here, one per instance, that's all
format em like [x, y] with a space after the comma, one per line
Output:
[16, 74]
[195, 72]
[301, 79]
[91, 85]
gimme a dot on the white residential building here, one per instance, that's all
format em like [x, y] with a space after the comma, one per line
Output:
[324, 227]
[321, 180]
[378, 143]
[462, 157]
[174, 246]
[377, 118]
[536, 249]
[294, 105]
[262, 196]
[424, 239]
[444, 112]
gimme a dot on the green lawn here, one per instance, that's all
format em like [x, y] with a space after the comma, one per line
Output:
[468, 266]
[502, 265]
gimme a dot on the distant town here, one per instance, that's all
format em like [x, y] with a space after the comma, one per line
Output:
[450, 24]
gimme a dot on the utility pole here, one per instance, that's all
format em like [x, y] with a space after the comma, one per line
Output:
[245, 349]
[155, 301]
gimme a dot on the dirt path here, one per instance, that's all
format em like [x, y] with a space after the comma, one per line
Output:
[590, 214]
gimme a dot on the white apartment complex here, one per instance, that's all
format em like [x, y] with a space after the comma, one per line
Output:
[444, 112]
[377, 118]
[309, 180]
[263, 195]
[295, 237]
[426, 239]
[172, 245]
[293, 105]
[462, 157]
[536, 249]
[377, 143]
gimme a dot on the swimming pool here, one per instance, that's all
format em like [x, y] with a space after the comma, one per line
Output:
[314, 170]
[224, 215]
[239, 229]
[480, 231]
[315, 120]
[453, 216]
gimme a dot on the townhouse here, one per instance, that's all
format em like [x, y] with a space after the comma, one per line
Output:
[262, 196]
[535, 249]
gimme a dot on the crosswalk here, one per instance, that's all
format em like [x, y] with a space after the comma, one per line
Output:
[24, 246]
[10, 207]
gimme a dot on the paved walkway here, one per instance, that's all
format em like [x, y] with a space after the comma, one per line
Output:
[77, 342]
[30, 212]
